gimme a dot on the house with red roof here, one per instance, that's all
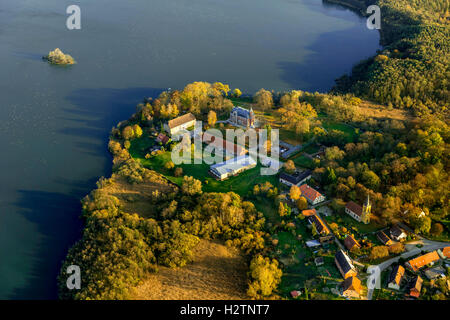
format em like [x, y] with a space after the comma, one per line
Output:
[312, 196]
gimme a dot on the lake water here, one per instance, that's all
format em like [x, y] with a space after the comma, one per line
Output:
[54, 121]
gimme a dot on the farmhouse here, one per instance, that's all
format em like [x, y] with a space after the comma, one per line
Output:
[421, 261]
[296, 178]
[395, 278]
[313, 196]
[384, 238]
[344, 264]
[351, 287]
[242, 117]
[222, 145]
[360, 214]
[162, 138]
[397, 233]
[416, 287]
[351, 244]
[181, 123]
[318, 224]
[232, 167]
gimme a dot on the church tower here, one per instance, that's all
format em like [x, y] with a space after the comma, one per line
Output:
[367, 207]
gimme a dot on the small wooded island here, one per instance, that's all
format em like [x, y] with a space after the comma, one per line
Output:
[58, 57]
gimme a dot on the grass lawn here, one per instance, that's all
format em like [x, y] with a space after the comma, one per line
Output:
[303, 161]
[348, 130]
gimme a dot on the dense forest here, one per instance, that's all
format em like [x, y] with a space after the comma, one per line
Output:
[412, 70]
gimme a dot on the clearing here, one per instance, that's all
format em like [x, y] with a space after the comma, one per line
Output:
[217, 273]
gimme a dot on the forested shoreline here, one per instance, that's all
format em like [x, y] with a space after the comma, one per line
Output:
[402, 165]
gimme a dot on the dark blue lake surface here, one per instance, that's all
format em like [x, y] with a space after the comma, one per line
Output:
[54, 121]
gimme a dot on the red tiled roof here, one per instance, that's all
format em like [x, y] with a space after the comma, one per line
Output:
[423, 260]
[417, 286]
[309, 212]
[446, 252]
[309, 192]
[354, 207]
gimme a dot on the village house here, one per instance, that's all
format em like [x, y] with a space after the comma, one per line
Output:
[344, 264]
[435, 273]
[416, 287]
[423, 260]
[232, 167]
[162, 138]
[397, 233]
[183, 122]
[242, 117]
[360, 214]
[296, 178]
[351, 244]
[318, 224]
[384, 238]
[312, 196]
[395, 278]
[351, 287]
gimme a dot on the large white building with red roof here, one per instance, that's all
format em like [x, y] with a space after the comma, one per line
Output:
[312, 195]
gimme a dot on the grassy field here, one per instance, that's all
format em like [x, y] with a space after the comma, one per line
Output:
[217, 273]
[344, 220]
[303, 161]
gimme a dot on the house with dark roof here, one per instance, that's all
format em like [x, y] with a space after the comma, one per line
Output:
[344, 265]
[416, 287]
[312, 196]
[351, 244]
[395, 277]
[351, 287]
[397, 233]
[318, 224]
[295, 179]
[180, 123]
[384, 238]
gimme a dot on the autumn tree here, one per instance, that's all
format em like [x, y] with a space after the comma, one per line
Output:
[289, 166]
[295, 193]
[212, 118]
[263, 99]
[264, 275]
[191, 186]
[302, 203]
